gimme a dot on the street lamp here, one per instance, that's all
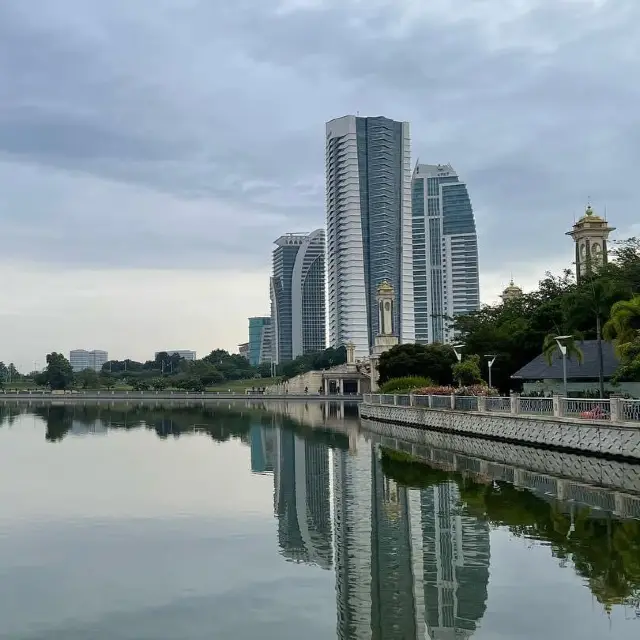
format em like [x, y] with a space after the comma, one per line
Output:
[456, 348]
[490, 360]
[563, 350]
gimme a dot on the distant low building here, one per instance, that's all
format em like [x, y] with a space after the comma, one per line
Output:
[243, 350]
[183, 353]
[540, 377]
[82, 359]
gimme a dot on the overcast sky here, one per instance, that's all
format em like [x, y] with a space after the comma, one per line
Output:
[150, 152]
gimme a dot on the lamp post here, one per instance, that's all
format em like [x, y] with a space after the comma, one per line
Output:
[490, 360]
[456, 349]
[563, 350]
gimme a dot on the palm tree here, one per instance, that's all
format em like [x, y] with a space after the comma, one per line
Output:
[623, 325]
[550, 345]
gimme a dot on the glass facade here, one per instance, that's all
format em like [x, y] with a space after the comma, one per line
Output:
[298, 323]
[380, 153]
[256, 338]
[445, 247]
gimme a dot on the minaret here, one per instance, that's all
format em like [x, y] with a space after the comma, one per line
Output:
[590, 234]
[385, 339]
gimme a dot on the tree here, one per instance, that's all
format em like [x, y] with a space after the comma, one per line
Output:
[4, 371]
[159, 383]
[623, 325]
[58, 373]
[107, 381]
[433, 361]
[467, 372]
[87, 379]
[13, 373]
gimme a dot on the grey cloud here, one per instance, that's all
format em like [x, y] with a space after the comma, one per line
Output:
[220, 108]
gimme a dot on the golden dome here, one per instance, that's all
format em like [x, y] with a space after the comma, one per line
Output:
[590, 216]
[385, 287]
[512, 291]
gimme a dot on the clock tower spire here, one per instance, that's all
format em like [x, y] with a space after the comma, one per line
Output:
[590, 234]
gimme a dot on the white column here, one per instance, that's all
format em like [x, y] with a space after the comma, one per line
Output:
[341, 386]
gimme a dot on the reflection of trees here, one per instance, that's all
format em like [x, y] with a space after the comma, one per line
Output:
[57, 420]
[604, 550]
[220, 423]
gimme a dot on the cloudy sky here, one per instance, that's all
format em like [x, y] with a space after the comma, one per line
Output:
[151, 151]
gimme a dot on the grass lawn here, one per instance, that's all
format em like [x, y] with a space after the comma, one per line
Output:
[240, 386]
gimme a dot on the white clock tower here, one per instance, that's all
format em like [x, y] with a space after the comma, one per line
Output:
[590, 234]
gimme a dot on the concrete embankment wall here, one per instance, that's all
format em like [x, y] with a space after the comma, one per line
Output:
[563, 434]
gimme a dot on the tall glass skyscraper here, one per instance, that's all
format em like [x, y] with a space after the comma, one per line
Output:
[369, 232]
[298, 324]
[259, 340]
[445, 252]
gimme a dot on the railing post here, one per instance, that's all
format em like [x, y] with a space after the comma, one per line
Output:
[482, 404]
[411, 400]
[614, 407]
[453, 401]
[557, 406]
[430, 401]
[395, 399]
[515, 402]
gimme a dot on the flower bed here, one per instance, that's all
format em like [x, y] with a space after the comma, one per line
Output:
[473, 390]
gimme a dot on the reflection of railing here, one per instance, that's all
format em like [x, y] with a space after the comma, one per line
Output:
[572, 484]
[582, 409]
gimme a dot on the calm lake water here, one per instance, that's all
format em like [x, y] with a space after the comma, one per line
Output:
[227, 522]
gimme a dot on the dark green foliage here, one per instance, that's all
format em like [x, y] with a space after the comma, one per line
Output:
[58, 374]
[313, 362]
[467, 372]
[405, 385]
[433, 361]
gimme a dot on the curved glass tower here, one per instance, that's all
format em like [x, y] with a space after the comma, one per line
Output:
[298, 323]
[445, 249]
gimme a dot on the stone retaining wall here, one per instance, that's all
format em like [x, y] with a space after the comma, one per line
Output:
[564, 434]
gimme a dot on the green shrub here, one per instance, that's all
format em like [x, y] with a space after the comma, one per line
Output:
[405, 385]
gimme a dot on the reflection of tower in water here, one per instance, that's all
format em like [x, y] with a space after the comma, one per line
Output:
[393, 606]
[409, 564]
[456, 558]
[302, 499]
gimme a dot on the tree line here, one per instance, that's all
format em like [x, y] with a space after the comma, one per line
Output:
[604, 306]
[173, 371]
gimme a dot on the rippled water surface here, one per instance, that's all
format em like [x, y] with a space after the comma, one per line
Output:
[231, 522]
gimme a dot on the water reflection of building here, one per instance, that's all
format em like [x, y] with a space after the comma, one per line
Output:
[352, 540]
[81, 428]
[408, 563]
[302, 499]
[456, 564]
[262, 442]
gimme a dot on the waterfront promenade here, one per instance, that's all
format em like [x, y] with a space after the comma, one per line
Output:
[154, 396]
[602, 427]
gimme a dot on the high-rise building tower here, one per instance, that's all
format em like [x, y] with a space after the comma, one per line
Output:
[368, 200]
[298, 324]
[590, 234]
[445, 252]
[259, 340]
